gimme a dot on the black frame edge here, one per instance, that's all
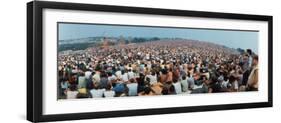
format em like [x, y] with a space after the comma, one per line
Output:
[30, 98]
[270, 60]
[145, 10]
[38, 61]
[145, 112]
[34, 61]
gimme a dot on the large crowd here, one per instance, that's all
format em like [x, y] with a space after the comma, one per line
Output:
[155, 68]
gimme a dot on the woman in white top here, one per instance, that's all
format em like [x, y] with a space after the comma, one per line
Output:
[124, 76]
[177, 86]
[152, 78]
[111, 78]
[96, 77]
[88, 74]
[72, 92]
[132, 88]
[131, 74]
[96, 92]
[118, 74]
[234, 83]
[184, 84]
[109, 92]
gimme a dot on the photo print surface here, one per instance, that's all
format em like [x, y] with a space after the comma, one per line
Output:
[111, 61]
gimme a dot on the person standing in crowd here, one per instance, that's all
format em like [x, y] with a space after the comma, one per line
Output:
[246, 69]
[249, 52]
[252, 84]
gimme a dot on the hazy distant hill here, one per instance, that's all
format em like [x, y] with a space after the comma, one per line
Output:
[84, 43]
[80, 40]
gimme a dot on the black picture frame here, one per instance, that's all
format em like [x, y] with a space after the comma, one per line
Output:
[35, 69]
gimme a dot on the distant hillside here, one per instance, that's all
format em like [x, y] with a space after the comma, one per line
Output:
[84, 43]
[80, 40]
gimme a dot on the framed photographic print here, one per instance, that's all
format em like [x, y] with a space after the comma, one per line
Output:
[94, 61]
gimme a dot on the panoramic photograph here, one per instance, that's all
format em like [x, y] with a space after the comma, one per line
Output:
[111, 61]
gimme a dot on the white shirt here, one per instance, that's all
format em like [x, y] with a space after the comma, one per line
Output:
[153, 79]
[133, 89]
[96, 78]
[97, 93]
[64, 85]
[71, 94]
[235, 84]
[118, 74]
[88, 74]
[109, 93]
[177, 86]
[190, 82]
[82, 82]
[184, 84]
[110, 78]
[224, 84]
[131, 75]
[147, 56]
[125, 77]
[197, 86]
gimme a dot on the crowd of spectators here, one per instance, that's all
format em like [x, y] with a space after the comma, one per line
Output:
[155, 68]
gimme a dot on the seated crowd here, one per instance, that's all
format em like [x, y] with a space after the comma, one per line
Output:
[156, 68]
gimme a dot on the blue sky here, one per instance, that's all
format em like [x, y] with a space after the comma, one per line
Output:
[233, 39]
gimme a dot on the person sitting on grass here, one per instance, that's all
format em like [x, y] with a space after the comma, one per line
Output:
[157, 88]
[184, 84]
[64, 86]
[177, 86]
[132, 87]
[72, 92]
[147, 92]
[109, 92]
[96, 92]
